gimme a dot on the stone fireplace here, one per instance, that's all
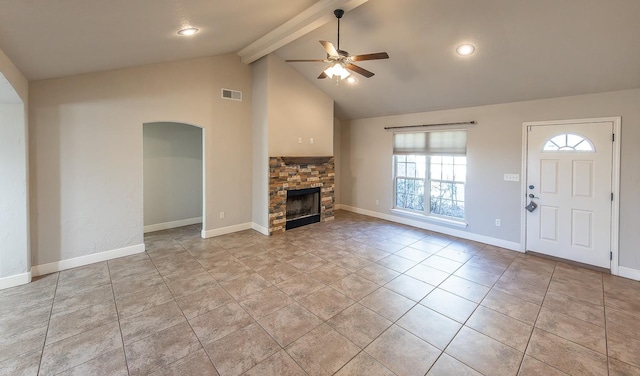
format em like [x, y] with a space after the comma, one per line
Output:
[301, 191]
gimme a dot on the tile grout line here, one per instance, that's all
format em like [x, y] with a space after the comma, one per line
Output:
[403, 273]
[124, 352]
[323, 322]
[471, 314]
[606, 333]
[556, 273]
[295, 301]
[415, 305]
[533, 326]
[172, 297]
[44, 343]
[452, 273]
[183, 315]
[254, 319]
[536, 321]
[326, 285]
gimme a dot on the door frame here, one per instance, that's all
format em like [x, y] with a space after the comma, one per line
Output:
[615, 180]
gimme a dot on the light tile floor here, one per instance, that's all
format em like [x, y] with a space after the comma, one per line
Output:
[356, 296]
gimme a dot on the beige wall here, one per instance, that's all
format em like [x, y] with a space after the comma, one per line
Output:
[14, 179]
[337, 155]
[13, 192]
[297, 109]
[494, 148]
[260, 141]
[86, 148]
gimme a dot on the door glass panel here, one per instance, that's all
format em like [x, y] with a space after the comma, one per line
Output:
[568, 142]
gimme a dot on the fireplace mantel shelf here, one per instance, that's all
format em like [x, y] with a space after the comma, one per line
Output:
[306, 160]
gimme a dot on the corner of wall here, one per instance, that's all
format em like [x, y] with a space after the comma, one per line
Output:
[15, 144]
[260, 144]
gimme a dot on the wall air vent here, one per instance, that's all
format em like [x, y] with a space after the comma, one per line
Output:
[233, 95]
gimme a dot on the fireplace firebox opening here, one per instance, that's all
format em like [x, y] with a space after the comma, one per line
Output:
[303, 207]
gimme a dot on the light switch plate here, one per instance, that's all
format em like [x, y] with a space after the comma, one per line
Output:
[512, 177]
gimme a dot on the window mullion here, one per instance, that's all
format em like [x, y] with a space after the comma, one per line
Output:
[427, 187]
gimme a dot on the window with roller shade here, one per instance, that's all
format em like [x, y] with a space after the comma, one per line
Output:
[430, 171]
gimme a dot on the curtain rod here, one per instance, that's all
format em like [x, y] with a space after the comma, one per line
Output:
[430, 125]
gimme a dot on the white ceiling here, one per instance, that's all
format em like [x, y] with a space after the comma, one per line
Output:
[526, 49]
[51, 38]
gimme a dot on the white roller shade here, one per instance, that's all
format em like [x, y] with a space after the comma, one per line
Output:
[453, 142]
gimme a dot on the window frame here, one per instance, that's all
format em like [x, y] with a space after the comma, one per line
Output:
[406, 177]
[427, 194]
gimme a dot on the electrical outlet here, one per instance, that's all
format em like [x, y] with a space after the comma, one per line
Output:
[497, 223]
[221, 215]
[377, 202]
[299, 140]
[511, 177]
[311, 140]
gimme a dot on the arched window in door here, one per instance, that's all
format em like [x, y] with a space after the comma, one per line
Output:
[568, 142]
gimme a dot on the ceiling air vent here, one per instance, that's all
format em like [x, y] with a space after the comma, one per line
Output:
[234, 95]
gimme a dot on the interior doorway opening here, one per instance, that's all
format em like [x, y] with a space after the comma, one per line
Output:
[173, 169]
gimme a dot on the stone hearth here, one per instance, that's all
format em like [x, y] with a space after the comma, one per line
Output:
[300, 174]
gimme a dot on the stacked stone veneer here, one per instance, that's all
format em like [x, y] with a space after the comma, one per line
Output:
[283, 177]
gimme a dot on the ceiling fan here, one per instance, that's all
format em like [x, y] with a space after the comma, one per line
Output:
[341, 61]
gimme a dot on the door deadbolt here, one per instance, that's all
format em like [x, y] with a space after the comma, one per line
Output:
[531, 207]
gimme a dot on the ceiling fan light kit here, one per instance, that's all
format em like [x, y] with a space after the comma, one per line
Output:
[341, 62]
[337, 70]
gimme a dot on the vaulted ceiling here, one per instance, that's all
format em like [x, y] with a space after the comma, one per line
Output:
[524, 49]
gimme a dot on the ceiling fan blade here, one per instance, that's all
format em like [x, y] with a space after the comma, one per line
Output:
[360, 70]
[322, 75]
[328, 46]
[375, 56]
[305, 61]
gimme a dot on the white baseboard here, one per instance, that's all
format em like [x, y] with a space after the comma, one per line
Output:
[15, 280]
[172, 224]
[86, 260]
[226, 230]
[432, 227]
[260, 229]
[629, 273]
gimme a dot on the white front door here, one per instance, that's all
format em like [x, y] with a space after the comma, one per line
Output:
[569, 178]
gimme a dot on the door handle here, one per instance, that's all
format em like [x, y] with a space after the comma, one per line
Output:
[531, 195]
[531, 207]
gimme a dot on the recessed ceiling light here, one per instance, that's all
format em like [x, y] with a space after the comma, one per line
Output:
[352, 80]
[465, 49]
[188, 31]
